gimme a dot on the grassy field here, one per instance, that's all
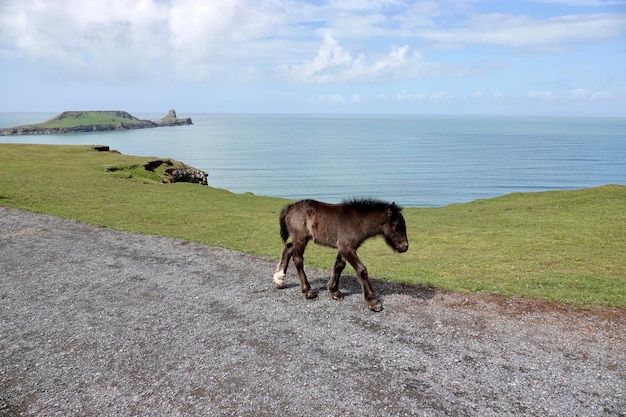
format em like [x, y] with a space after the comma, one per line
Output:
[563, 246]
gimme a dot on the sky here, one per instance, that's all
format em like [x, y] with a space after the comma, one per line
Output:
[507, 57]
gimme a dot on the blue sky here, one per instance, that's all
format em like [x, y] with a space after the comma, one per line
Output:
[534, 57]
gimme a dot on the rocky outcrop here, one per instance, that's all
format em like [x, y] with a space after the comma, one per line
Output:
[171, 120]
[182, 173]
[188, 174]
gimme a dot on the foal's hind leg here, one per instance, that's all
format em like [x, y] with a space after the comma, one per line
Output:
[333, 283]
[298, 261]
[281, 269]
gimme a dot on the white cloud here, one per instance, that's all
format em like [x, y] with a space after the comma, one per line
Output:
[585, 94]
[333, 63]
[205, 35]
[536, 96]
[95, 36]
[519, 31]
[406, 96]
[108, 38]
[331, 58]
[585, 3]
[541, 95]
[338, 98]
[333, 41]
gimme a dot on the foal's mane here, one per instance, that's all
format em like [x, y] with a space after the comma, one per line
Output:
[370, 204]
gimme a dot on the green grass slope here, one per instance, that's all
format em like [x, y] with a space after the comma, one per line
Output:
[89, 118]
[564, 246]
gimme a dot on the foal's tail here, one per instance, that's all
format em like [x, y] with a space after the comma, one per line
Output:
[284, 232]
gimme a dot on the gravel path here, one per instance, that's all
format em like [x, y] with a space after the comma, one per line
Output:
[97, 322]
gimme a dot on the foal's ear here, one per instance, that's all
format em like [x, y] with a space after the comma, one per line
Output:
[392, 210]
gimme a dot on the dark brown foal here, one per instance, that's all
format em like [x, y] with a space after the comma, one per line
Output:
[344, 227]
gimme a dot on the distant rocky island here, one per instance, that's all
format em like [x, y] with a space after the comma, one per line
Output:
[93, 121]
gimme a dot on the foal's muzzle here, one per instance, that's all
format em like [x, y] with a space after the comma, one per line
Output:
[402, 247]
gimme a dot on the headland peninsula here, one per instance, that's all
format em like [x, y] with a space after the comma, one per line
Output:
[94, 121]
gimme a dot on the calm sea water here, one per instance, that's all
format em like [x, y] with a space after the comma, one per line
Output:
[413, 160]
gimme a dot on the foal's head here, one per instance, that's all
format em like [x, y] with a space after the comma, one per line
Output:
[394, 229]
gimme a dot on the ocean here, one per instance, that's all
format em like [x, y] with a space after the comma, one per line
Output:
[416, 161]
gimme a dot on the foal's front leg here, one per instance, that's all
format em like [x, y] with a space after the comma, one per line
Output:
[364, 280]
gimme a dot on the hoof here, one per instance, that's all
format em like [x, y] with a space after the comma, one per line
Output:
[375, 306]
[311, 295]
[336, 295]
[279, 279]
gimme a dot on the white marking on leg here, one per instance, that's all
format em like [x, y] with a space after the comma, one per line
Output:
[279, 278]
